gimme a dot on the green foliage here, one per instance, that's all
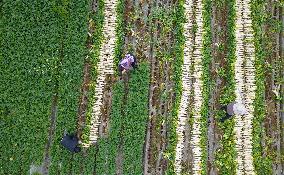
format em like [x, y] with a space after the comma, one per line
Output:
[128, 122]
[119, 31]
[27, 63]
[263, 165]
[107, 153]
[226, 154]
[72, 53]
[135, 120]
[97, 20]
[87, 161]
[107, 147]
[207, 57]
[179, 20]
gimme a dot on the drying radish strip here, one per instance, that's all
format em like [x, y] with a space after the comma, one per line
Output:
[104, 67]
[245, 86]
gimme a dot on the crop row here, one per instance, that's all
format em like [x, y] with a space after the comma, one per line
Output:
[105, 65]
[225, 156]
[27, 64]
[84, 161]
[262, 165]
[179, 20]
[128, 119]
[160, 91]
[186, 87]
[197, 90]
[107, 151]
[207, 82]
[96, 21]
[266, 157]
[245, 87]
[73, 17]
[135, 120]
[201, 58]
[108, 147]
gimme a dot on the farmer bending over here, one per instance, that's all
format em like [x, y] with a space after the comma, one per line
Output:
[233, 108]
[70, 142]
[128, 63]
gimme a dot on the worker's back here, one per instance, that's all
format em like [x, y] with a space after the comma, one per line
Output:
[70, 142]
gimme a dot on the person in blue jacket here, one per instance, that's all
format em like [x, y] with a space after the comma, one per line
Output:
[71, 142]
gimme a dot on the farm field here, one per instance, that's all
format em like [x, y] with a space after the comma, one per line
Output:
[59, 72]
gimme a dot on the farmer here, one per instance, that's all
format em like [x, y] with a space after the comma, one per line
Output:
[233, 108]
[70, 142]
[127, 63]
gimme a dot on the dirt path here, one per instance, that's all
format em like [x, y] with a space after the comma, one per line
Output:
[281, 50]
[160, 90]
[272, 87]
[245, 86]
[83, 99]
[50, 135]
[220, 36]
[106, 107]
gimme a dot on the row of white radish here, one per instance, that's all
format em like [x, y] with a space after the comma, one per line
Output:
[191, 57]
[245, 86]
[244, 76]
[104, 67]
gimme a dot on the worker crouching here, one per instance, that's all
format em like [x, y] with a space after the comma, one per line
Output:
[233, 108]
[127, 63]
[71, 142]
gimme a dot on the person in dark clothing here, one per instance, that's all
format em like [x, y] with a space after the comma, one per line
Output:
[129, 62]
[70, 142]
[227, 116]
[233, 108]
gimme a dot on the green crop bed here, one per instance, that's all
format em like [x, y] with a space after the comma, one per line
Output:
[43, 48]
[107, 150]
[226, 154]
[74, 17]
[30, 38]
[178, 21]
[135, 120]
[207, 58]
[128, 122]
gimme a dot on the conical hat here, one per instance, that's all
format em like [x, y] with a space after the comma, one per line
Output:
[239, 109]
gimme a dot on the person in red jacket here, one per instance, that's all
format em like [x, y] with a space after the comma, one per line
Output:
[127, 63]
